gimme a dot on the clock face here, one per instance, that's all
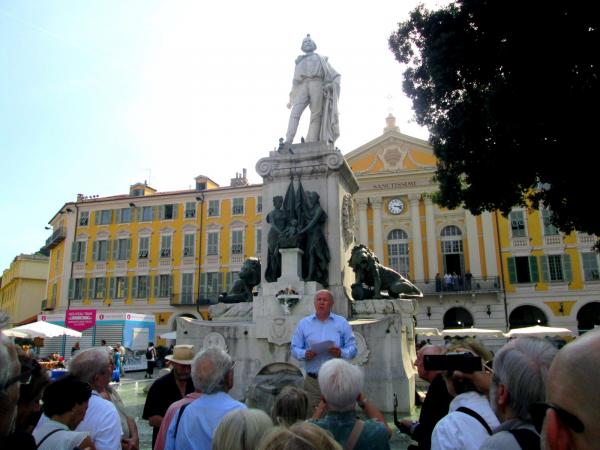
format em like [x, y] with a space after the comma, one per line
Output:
[395, 206]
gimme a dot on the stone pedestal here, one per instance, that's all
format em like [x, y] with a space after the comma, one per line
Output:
[320, 168]
[259, 333]
[384, 335]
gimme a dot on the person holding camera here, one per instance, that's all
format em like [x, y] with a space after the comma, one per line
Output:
[471, 419]
[436, 403]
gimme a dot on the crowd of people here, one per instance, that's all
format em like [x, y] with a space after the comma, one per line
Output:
[530, 395]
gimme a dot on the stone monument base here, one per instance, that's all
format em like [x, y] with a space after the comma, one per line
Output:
[384, 335]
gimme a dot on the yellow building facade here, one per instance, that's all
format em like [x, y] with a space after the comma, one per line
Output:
[551, 278]
[162, 252]
[23, 287]
[152, 252]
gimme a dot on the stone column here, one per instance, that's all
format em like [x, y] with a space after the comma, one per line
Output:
[415, 221]
[473, 241]
[489, 244]
[363, 226]
[432, 262]
[376, 204]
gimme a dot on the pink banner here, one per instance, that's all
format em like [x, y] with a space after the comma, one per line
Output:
[80, 319]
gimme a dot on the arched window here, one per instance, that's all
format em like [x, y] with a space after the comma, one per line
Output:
[588, 317]
[398, 251]
[527, 316]
[458, 317]
[452, 250]
[451, 230]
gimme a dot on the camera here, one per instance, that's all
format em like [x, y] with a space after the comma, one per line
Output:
[465, 362]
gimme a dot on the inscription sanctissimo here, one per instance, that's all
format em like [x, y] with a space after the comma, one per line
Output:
[400, 185]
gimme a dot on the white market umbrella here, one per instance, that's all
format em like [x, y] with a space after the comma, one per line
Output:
[169, 335]
[538, 330]
[15, 334]
[423, 331]
[45, 330]
[465, 332]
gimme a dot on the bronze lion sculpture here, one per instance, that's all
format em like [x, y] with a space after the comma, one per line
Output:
[248, 278]
[372, 277]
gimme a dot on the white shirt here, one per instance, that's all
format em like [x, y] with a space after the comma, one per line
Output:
[61, 440]
[459, 431]
[103, 423]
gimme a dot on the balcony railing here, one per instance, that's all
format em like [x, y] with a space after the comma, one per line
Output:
[460, 285]
[56, 238]
[191, 299]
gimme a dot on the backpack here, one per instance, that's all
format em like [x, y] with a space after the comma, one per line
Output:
[149, 354]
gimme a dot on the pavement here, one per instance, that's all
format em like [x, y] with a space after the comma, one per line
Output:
[133, 388]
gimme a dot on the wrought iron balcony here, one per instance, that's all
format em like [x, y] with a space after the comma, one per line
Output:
[56, 238]
[459, 285]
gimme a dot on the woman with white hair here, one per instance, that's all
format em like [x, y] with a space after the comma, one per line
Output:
[341, 384]
[241, 429]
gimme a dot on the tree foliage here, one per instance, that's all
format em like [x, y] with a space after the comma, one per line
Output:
[509, 92]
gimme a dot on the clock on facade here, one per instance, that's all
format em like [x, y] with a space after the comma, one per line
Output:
[395, 206]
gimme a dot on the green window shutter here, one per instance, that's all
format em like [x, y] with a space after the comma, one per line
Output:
[134, 287]
[138, 214]
[156, 285]
[113, 290]
[82, 250]
[95, 251]
[113, 246]
[512, 270]
[117, 216]
[170, 285]
[74, 253]
[127, 248]
[84, 284]
[161, 212]
[219, 283]
[96, 217]
[202, 289]
[155, 212]
[545, 269]
[567, 269]
[110, 216]
[126, 288]
[91, 288]
[175, 209]
[533, 269]
[71, 288]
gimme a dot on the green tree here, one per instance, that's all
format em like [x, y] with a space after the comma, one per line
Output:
[509, 92]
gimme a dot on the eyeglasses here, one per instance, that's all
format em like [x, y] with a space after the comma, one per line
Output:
[538, 413]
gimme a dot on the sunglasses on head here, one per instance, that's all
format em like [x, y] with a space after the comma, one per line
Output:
[538, 413]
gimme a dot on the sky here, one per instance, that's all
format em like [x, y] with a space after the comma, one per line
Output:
[98, 95]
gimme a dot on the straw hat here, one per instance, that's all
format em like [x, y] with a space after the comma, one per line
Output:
[182, 354]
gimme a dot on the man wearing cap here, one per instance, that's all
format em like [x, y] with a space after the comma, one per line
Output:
[319, 328]
[169, 388]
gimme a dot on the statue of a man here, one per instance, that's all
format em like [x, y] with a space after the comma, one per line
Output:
[316, 84]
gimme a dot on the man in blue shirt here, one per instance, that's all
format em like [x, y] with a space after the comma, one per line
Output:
[319, 338]
[193, 428]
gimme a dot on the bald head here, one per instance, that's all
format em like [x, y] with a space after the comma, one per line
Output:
[427, 375]
[573, 385]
